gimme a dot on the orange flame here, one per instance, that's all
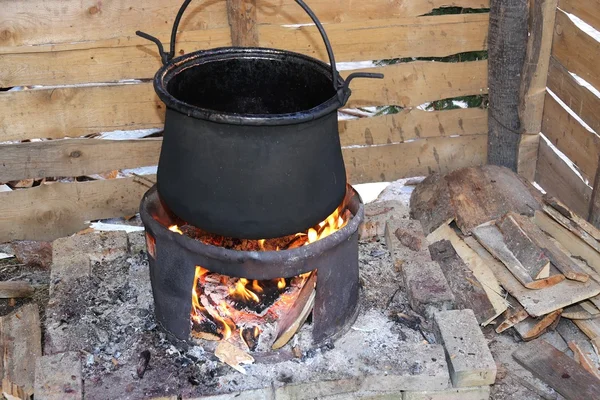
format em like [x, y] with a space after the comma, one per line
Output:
[240, 292]
[175, 228]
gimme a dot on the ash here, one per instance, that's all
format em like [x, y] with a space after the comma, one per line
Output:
[109, 318]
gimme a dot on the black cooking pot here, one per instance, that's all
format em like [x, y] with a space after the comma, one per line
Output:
[251, 146]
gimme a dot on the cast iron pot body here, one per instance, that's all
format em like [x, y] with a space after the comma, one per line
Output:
[251, 146]
[265, 171]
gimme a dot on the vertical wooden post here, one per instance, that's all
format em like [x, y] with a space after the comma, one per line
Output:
[507, 45]
[542, 14]
[594, 214]
[242, 22]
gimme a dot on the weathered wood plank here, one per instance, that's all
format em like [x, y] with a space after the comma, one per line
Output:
[136, 58]
[533, 328]
[575, 219]
[587, 10]
[573, 228]
[490, 237]
[417, 158]
[577, 97]
[60, 22]
[582, 358]
[559, 259]
[594, 209]
[75, 157]
[558, 370]
[50, 211]
[468, 292]
[570, 241]
[559, 180]
[569, 136]
[533, 82]
[576, 50]
[20, 345]
[79, 111]
[241, 15]
[536, 302]
[591, 328]
[15, 289]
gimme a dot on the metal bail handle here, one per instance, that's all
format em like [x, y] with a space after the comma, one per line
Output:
[343, 91]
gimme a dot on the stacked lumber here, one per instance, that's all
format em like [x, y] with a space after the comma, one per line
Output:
[544, 262]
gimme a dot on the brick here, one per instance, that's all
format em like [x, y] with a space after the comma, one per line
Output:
[58, 377]
[402, 238]
[469, 358]
[470, 393]
[72, 256]
[317, 390]
[376, 216]
[427, 288]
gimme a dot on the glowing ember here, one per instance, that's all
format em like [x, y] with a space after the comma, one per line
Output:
[175, 228]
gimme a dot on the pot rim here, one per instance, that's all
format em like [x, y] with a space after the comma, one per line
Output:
[179, 64]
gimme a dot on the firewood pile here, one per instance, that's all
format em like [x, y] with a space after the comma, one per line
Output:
[537, 262]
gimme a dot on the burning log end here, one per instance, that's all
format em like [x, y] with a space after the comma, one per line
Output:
[143, 363]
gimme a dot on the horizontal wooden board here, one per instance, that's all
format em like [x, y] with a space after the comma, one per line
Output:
[76, 157]
[558, 180]
[576, 50]
[135, 58]
[578, 98]
[47, 212]
[569, 136]
[413, 124]
[79, 111]
[50, 211]
[416, 158]
[57, 21]
[587, 10]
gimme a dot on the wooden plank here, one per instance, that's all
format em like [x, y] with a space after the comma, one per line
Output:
[527, 159]
[523, 247]
[79, 111]
[507, 54]
[75, 157]
[476, 264]
[417, 158]
[591, 328]
[60, 22]
[241, 15]
[535, 69]
[20, 345]
[594, 210]
[490, 237]
[559, 180]
[536, 302]
[573, 228]
[468, 292]
[488, 193]
[54, 210]
[559, 259]
[576, 50]
[587, 10]
[531, 328]
[583, 310]
[558, 370]
[583, 359]
[569, 136]
[578, 98]
[15, 289]
[570, 241]
[575, 219]
[136, 58]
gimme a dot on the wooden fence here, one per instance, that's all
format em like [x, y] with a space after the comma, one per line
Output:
[573, 52]
[77, 55]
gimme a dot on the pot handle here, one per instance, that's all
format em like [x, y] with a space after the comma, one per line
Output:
[343, 91]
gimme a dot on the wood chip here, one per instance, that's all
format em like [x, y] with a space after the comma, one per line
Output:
[233, 356]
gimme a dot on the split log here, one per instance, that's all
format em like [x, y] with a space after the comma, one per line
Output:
[491, 238]
[15, 289]
[532, 328]
[536, 302]
[293, 320]
[531, 256]
[468, 292]
[430, 203]
[570, 241]
[557, 257]
[558, 370]
[485, 276]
